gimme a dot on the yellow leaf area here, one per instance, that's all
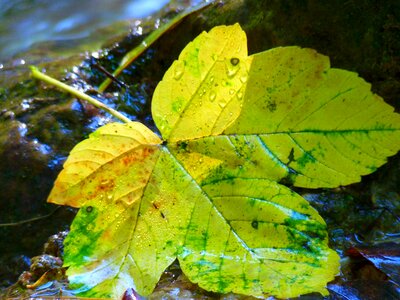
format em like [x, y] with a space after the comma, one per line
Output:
[141, 210]
[105, 163]
[202, 91]
[234, 128]
[131, 218]
[283, 114]
[256, 237]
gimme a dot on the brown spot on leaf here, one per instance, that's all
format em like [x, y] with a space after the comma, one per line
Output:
[139, 155]
[148, 151]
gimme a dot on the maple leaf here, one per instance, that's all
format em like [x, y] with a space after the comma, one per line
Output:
[234, 127]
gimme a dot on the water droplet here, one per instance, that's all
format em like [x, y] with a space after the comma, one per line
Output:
[231, 91]
[118, 224]
[239, 95]
[222, 104]
[200, 160]
[213, 95]
[179, 70]
[110, 197]
[243, 79]
[231, 72]
[104, 182]
[231, 69]
[211, 79]
[235, 61]
[157, 23]
[137, 30]
[202, 92]
[22, 129]
[231, 114]
[26, 104]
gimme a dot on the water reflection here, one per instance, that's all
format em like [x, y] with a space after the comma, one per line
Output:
[25, 22]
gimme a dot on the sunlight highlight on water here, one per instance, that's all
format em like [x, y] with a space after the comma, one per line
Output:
[24, 22]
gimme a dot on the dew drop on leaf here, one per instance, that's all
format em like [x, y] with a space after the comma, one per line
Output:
[212, 96]
[202, 92]
[239, 95]
[179, 70]
[104, 182]
[243, 79]
[254, 224]
[234, 61]
[231, 70]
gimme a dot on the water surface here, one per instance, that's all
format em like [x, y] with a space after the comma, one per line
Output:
[26, 22]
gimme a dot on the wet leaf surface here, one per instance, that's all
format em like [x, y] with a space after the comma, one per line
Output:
[208, 194]
[384, 256]
[364, 290]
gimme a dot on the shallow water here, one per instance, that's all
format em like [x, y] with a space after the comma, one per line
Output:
[26, 22]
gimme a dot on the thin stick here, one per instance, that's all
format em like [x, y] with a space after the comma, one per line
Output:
[39, 75]
[29, 220]
[111, 76]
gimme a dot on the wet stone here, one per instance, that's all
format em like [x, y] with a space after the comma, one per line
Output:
[43, 263]
[54, 245]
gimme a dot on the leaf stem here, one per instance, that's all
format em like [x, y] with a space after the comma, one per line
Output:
[39, 75]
